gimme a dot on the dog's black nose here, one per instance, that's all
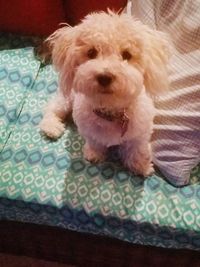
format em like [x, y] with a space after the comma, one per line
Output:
[104, 79]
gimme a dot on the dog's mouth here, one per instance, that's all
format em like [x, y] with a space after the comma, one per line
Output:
[105, 90]
[119, 117]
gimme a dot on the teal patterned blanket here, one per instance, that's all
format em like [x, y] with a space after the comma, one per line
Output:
[49, 182]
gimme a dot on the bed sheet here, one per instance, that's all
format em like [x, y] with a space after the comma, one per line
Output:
[49, 182]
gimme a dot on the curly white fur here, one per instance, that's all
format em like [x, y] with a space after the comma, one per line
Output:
[132, 59]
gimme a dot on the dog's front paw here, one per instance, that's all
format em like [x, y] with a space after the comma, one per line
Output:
[92, 155]
[52, 127]
[144, 170]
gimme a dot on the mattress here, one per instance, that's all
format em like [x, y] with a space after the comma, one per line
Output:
[48, 182]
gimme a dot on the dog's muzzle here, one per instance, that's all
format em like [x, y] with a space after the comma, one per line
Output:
[105, 80]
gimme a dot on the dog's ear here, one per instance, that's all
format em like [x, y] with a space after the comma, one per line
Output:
[59, 43]
[157, 51]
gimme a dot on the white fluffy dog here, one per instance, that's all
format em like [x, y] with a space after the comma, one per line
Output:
[110, 68]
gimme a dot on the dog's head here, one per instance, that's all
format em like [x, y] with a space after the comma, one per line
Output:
[110, 58]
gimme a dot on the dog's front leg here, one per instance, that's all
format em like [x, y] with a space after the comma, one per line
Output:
[94, 152]
[55, 114]
[137, 156]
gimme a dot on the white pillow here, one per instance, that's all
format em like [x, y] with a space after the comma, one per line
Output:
[176, 139]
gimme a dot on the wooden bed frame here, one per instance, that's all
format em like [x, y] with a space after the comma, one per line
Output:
[55, 244]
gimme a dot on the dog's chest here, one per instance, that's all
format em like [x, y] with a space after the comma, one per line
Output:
[105, 130]
[93, 126]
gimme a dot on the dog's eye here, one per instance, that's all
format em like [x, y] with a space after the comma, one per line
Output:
[126, 55]
[92, 53]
